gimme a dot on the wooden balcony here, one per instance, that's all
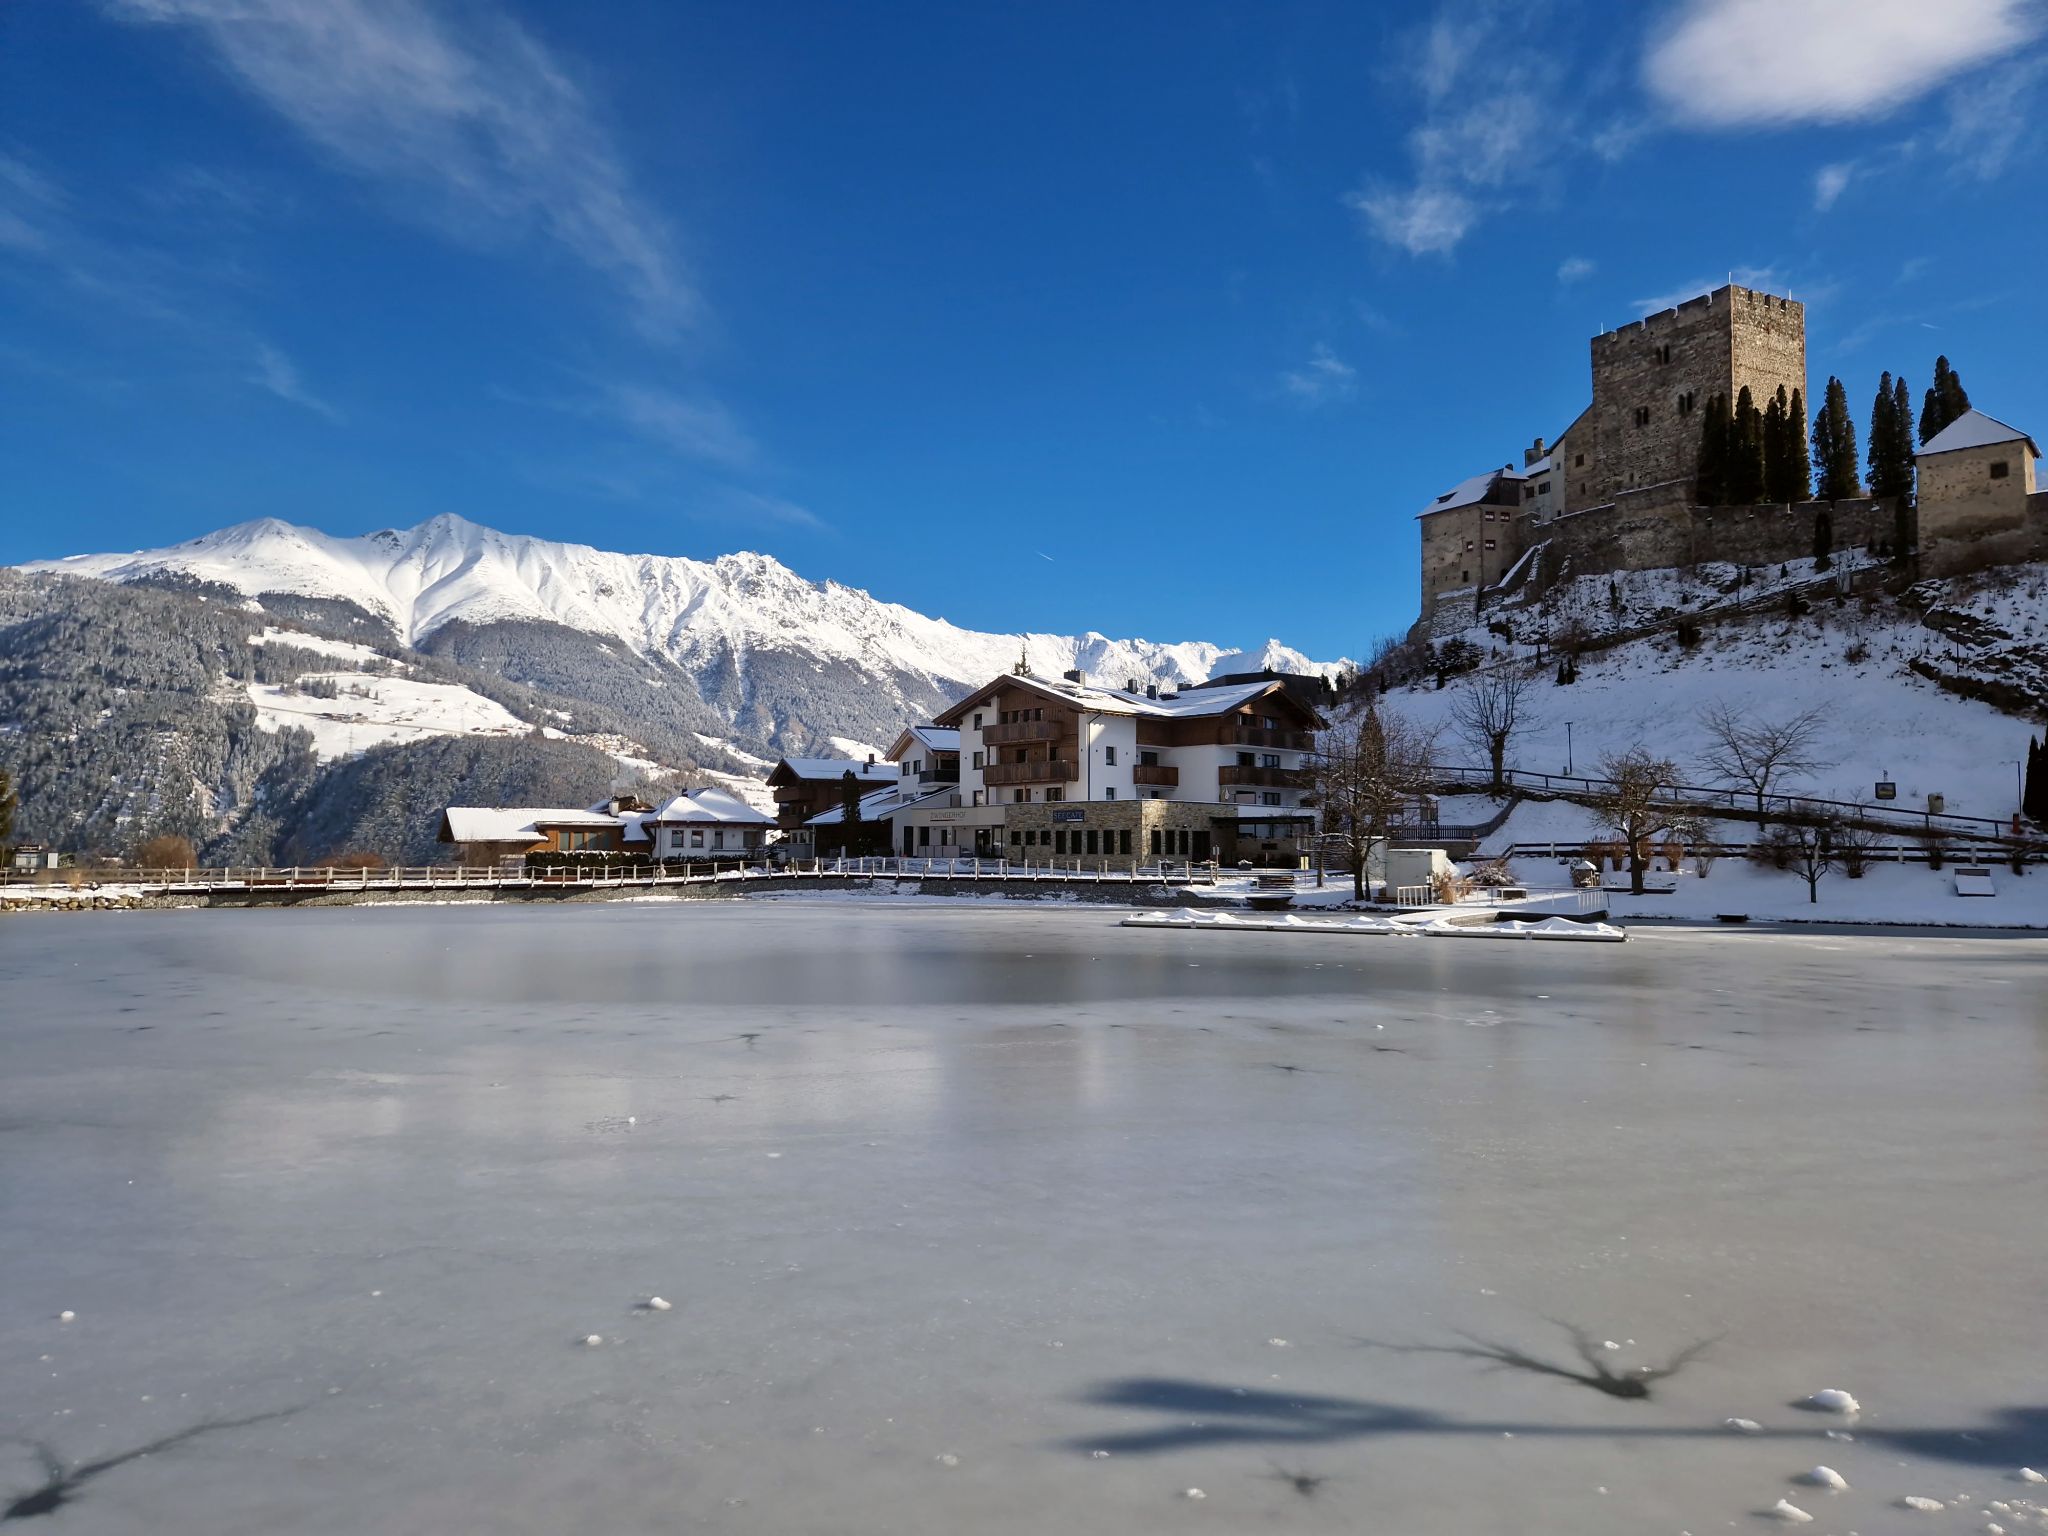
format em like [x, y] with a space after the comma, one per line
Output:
[1268, 778]
[1048, 771]
[1021, 730]
[1299, 741]
[1155, 773]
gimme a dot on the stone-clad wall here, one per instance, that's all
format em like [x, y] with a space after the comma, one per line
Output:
[1653, 530]
[1768, 341]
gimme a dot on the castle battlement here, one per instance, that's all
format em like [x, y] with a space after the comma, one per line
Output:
[1725, 298]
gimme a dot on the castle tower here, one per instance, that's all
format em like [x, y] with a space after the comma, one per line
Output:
[1652, 380]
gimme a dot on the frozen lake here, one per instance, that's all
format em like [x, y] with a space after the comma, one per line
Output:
[949, 1200]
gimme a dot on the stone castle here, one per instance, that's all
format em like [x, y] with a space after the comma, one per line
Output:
[1615, 491]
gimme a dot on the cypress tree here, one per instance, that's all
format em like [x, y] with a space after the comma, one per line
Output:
[2030, 794]
[1711, 486]
[1904, 523]
[1891, 443]
[1798, 463]
[1946, 399]
[1834, 446]
[1746, 453]
[1774, 446]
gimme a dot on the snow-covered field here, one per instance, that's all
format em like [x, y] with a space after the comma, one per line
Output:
[1011, 1221]
[374, 708]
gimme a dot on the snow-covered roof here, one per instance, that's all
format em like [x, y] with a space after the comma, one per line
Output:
[1195, 704]
[1973, 429]
[635, 823]
[1540, 467]
[711, 804]
[515, 823]
[835, 768]
[875, 805]
[933, 738]
[1470, 493]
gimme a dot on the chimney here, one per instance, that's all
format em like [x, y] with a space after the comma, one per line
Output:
[1532, 453]
[1151, 690]
[1076, 676]
[871, 759]
[1131, 685]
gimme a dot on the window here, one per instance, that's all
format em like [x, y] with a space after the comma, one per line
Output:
[1269, 797]
[1543, 489]
[1109, 756]
[1016, 838]
[1468, 546]
[1269, 759]
[697, 838]
[1059, 842]
[1489, 543]
[1155, 841]
[977, 722]
[1022, 796]
[977, 797]
[1642, 415]
[924, 837]
[1242, 797]
[1148, 759]
[1055, 792]
[1247, 760]
[1123, 841]
[977, 760]
[1464, 575]
[1489, 514]
[1093, 837]
[1109, 791]
[2000, 469]
[1579, 463]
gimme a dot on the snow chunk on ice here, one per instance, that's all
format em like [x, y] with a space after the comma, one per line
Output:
[658, 1304]
[592, 1340]
[1831, 1400]
[1193, 1493]
[2027, 1474]
[1789, 1512]
[67, 1317]
[1824, 1477]
[1924, 1505]
[1743, 1426]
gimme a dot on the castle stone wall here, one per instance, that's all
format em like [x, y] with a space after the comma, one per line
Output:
[1655, 529]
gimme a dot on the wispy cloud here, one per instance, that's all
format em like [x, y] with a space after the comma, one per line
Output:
[1480, 133]
[692, 428]
[1988, 120]
[1325, 377]
[1821, 60]
[1830, 182]
[477, 128]
[280, 375]
[1575, 269]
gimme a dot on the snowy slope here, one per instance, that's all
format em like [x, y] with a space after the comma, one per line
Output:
[1883, 719]
[691, 612]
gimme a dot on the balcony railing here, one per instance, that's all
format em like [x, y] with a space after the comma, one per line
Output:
[1021, 730]
[1300, 741]
[1051, 771]
[1270, 778]
[950, 774]
[1155, 773]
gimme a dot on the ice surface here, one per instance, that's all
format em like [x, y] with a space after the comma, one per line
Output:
[1041, 1192]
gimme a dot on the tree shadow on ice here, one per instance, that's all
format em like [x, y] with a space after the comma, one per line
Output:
[61, 1487]
[1597, 1375]
[1197, 1414]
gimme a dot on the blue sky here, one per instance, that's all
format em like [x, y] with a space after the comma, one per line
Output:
[1159, 319]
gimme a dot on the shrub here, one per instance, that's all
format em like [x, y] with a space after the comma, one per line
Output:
[1449, 887]
[1493, 874]
[1935, 845]
[165, 852]
[1852, 846]
[1774, 848]
[357, 858]
[1856, 652]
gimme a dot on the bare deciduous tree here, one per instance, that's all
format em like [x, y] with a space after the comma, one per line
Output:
[1751, 752]
[1810, 831]
[1489, 710]
[1629, 803]
[165, 852]
[1368, 764]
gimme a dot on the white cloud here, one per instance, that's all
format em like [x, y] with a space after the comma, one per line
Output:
[278, 374]
[1829, 183]
[1481, 133]
[1575, 269]
[1987, 120]
[1421, 221]
[691, 428]
[1735, 63]
[479, 124]
[1324, 377]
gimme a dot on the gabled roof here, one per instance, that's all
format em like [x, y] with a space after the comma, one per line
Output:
[1973, 429]
[1475, 491]
[1195, 704]
[821, 769]
[933, 738]
[513, 823]
[710, 805]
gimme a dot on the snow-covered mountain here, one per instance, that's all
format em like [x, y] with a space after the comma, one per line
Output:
[781, 661]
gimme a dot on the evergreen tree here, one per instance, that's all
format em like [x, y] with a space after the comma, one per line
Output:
[1711, 487]
[1891, 442]
[7, 805]
[1746, 453]
[849, 804]
[1834, 446]
[1774, 445]
[2031, 794]
[1946, 399]
[1798, 484]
